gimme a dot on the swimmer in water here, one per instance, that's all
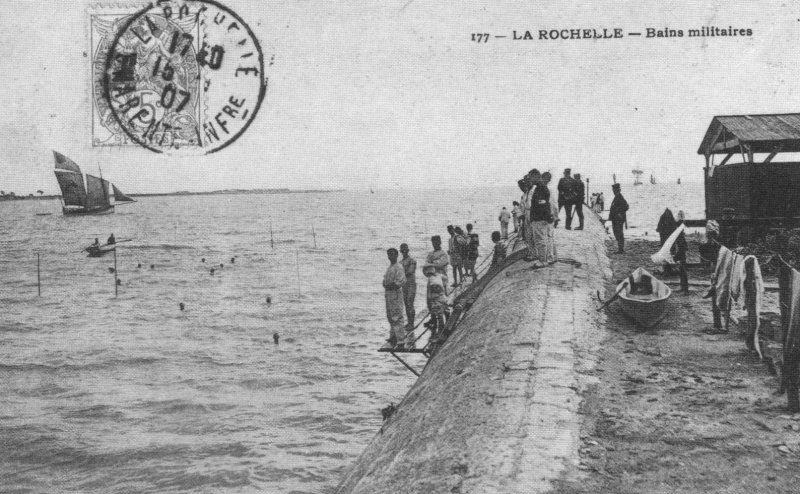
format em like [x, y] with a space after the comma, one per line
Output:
[276, 337]
[269, 299]
[181, 306]
[233, 260]
[212, 271]
[203, 260]
[152, 266]
[138, 266]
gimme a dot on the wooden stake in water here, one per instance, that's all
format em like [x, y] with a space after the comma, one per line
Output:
[38, 275]
[297, 264]
[271, 240]
[115, 272]
[314, 234]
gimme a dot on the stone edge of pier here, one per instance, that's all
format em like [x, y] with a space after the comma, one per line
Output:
[496, 410]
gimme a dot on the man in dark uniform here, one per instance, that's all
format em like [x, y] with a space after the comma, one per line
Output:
[617, 215]
[566, 196]
[580, 192]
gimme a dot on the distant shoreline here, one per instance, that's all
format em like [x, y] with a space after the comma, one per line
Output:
[8, 197]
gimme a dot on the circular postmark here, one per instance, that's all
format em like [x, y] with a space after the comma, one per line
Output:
[184, 76]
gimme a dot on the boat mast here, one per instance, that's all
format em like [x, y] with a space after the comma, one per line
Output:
[105, 190]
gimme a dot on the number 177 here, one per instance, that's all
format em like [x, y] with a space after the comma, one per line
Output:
[480, 37]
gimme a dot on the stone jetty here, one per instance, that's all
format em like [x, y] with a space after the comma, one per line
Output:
[496, 409]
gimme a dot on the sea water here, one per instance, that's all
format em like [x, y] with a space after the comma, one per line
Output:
[105, 392]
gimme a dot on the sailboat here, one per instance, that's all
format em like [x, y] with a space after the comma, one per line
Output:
[91, 199]
[637, 173]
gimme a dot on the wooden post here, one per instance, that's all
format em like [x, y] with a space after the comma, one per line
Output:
[750, 303]
[38, 275]
[271, 240]
[115, 272]
[297, 264]
[588, 192]
[715, 309]
[314, 234]
[684, 276]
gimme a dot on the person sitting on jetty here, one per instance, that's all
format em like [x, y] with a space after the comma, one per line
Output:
[471, 252]
[111, 240]
[393, 281]
[618, 216]
[410, 288]
[580, 195]
[516, 213]
[438, 258]
[504, 217]
[437, 301]
[599, 203]
[499, 252]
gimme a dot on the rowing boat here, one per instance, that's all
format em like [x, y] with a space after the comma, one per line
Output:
[644, 298]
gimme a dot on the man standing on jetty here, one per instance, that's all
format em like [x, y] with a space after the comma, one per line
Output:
[580, 193]
[539, 217]
[566, 196]
[617, 215]
[410, 288]
[438, 258]
[393, 282]
[504, 218]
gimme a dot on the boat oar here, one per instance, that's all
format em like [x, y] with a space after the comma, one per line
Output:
[615, 297]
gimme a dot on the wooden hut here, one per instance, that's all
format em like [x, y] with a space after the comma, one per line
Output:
[741, 176]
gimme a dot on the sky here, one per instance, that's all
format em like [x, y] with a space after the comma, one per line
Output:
[395, 94]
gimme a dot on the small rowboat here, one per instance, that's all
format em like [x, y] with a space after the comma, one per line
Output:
[644, 298]
[100, 250]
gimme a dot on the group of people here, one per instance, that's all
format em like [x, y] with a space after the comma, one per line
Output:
[400, 282]
[463, 251]
[400, 285]
[535, 217]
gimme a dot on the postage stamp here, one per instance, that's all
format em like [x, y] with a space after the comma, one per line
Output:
[178, 76]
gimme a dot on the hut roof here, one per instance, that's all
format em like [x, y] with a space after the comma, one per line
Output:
[759, 133]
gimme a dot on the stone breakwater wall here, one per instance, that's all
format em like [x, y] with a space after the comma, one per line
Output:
[496, 409]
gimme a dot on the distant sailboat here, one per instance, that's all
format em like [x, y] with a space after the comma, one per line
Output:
[652, 180]
[637, 173]
[679, 181]
[91, 199]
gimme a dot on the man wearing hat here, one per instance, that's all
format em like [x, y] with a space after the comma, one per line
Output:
[566, 195]
[393, 282]
[617, 215]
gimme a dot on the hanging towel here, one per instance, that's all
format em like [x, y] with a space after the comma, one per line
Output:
[737, 280]
[663, 256]
[758, 286]
[722, 278]
[793, 335]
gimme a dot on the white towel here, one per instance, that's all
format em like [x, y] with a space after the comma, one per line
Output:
[738, 276]
[663, 256]
[722, 278]
[759, 296]
[792, 338]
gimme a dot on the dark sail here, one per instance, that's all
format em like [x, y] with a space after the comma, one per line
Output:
[71, 188]
[96, 194]
[65, 163]
[119, 196]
